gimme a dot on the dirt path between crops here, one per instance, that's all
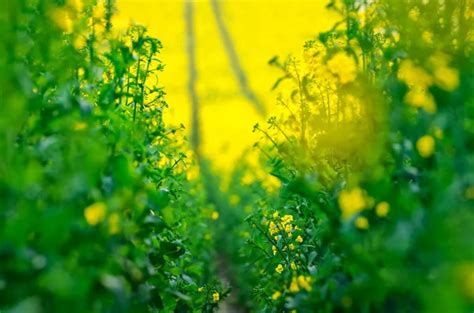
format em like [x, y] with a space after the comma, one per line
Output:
[231, 303]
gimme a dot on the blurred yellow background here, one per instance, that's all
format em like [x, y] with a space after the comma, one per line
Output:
[259, 29]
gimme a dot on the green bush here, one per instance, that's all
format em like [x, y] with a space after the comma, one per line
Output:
[96, 214]
[373, 147]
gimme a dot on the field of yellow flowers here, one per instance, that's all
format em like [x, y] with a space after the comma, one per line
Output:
[236, 156]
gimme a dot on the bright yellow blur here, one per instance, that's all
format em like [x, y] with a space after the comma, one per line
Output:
[260, 29]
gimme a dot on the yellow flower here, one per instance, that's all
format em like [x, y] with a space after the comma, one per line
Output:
[362, 222]
[287, 219]
[299, 239]
[272, 228]
[62, 18]
[421, 98]
[344, 67]
[279, 269]
[351, 202]
[276, 214]
[425, 146]
[294, 285]
[293, 266]
[291, 246]
[114, 223]
[215, 296]
[414, 75]
[288, 228]
[276, 295]
[382, 209]
[304, 282]
[95, 213]
[427, 37]
[200, 289]
[215, 215]
[79, 42]
[274, 250]
[414, 13]
[447, 78]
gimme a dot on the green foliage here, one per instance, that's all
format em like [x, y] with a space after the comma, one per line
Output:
[374, 151]
[96, 212]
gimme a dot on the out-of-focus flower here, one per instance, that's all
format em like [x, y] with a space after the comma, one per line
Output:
[276, 295]
[279, 269]
[304, 282]
[351, 202]
[382, 209]
[425, 146]
[344, 67]
[294, 287]
[95, 213]
[299, 239]
[114, 223]
[362, 222]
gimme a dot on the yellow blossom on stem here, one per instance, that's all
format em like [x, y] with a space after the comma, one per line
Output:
[287, 219]
[215, 296]
[293, 266]
[299, 239]
[272, 228]
[294, 287]
[279, 269]
[274, 250]
[215, 215]
[304, 282]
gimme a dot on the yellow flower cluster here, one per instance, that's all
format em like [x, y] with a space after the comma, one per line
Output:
[215, 296]
[354, 201]
[299, 283]
[344, 67]
[419, 80]
[445, 76]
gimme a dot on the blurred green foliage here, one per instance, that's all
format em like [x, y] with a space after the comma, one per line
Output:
[374, 150]
[96, 212]
[102, 211]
